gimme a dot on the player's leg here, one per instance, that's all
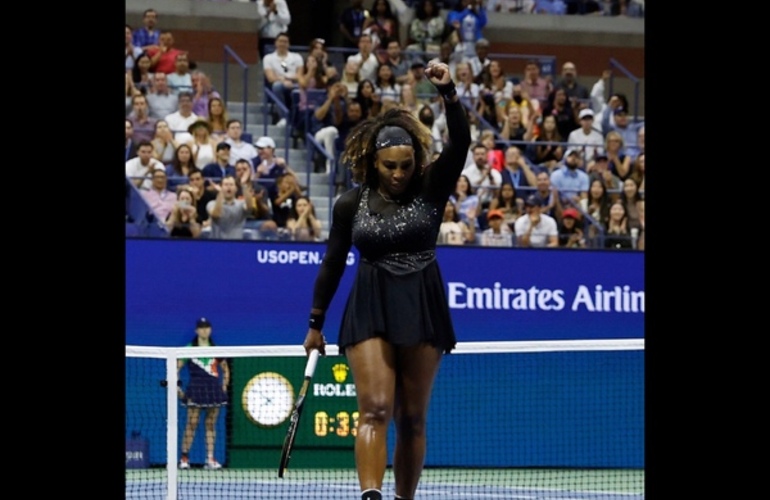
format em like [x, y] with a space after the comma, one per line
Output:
[418, 366]
[211, 431]
[372, 364]
[193, 417]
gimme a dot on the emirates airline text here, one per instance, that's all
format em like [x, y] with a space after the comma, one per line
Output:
[617, 298]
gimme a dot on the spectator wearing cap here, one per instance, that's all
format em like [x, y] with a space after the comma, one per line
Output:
[424, 91]
[587, 138]
[570, 232]
[160, 200]
[497, 234]
[205, 392]
[613, 113]
[600, 170]
[623, 125]
[216, 171]
[270, 167]
[570, 180]
[536, 229]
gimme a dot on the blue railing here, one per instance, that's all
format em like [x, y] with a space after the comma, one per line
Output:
[615, 64]
[274, 100]
[140, 219]
[225, 77]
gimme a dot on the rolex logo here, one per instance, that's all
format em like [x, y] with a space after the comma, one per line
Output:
[340, 371]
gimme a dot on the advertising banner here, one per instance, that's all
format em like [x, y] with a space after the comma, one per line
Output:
[260, 293]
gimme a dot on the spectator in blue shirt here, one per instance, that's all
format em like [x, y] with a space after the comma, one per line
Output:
[221, 168]
[147, 36]
[552, 7]
[352, 23]
[468, 20]
[628, 130]
[570, 180]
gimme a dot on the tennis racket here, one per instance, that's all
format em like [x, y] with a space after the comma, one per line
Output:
[288, 441]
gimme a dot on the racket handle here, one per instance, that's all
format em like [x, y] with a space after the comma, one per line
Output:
[311, 362]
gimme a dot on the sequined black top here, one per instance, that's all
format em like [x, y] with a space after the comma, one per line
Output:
[398, 236]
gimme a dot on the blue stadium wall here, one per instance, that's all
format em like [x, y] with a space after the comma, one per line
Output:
[259, 293]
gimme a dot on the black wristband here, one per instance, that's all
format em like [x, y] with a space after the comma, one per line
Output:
[447, 90]
[316, 321]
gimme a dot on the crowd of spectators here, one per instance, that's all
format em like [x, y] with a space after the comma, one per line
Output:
[549, 161]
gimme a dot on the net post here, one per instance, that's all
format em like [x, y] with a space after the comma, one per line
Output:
[171, 429]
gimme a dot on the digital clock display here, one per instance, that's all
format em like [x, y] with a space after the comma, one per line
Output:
[342, 424]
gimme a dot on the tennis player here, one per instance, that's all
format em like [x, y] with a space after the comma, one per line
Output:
[396, 325]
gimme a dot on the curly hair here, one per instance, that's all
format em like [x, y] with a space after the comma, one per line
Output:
[360, 152]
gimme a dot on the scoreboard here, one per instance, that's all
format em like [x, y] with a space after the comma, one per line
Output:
[264, 390]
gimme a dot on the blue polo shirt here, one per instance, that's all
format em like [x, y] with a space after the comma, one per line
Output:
[569, 182]
[217, 171]
[142, 38]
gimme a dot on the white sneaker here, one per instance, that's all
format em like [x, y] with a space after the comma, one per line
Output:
[281, 123]
[184, 463]
[212, 464]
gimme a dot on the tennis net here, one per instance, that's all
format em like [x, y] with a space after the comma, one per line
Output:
[550, 419]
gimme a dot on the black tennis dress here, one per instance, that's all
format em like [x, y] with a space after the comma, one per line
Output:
[398, 292]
